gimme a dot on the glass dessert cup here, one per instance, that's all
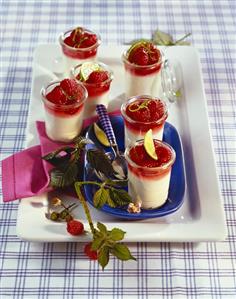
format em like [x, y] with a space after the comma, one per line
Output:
[98, 93]
[142, 79]
[149, 185]
[74, 56]
[63, 122]
[134, 129]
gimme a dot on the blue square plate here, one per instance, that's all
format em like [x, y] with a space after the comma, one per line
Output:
[177, 181]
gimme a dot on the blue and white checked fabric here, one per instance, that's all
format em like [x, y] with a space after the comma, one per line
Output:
[163, 270]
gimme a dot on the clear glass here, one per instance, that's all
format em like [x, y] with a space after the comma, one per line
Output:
[142, 79]
[73, 56]
[149, 185]
[135, 130]
[98, 93]
[63, 122]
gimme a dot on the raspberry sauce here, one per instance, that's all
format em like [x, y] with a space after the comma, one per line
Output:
[142, 114]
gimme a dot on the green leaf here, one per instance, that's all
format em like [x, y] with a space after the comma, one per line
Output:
[60, 179]
[99, 161]
[122, 252]
[103, 256]
[100, 197]
[102, 228]
[162, 38]
[120, 197]
[117, 234]
[97, 242]
[59, 157]
[117, 183]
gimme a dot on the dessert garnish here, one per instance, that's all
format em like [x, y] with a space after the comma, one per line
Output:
[149, 145]
[146, 110]
[91, 72]
[67, 167]
[164, 39]
[100, 134]
[66, 93]
[80, 38]
[143, 53]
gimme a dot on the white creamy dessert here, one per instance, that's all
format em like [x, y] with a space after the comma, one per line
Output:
[147, 84]
[132, 136]
[93, 101]
[63, 129]
[64, 107]
[149, 179]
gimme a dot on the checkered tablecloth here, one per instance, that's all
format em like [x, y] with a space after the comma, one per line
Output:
[162, 270]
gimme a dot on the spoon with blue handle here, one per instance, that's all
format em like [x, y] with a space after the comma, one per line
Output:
[119, 163]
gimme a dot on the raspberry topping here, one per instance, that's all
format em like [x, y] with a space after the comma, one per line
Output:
[75, 227]
[145, 110]
[143, 53]
[92, 254]
[139, 155]
[66, 93]
[97, 77]
[80, 38]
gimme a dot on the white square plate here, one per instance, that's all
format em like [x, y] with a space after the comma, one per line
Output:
[201, 217]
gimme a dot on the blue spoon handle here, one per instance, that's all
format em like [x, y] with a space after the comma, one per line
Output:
[106, 123]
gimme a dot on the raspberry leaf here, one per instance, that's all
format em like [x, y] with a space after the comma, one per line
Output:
[120, 197]
[100, 197]
[162, 38]
[117, 234]
[103, 256]
[122, 252]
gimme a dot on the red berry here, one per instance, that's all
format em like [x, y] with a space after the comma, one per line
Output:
[139, 56]
[88, 40]
[75, 227]
[69, 86]
[92, 254]
[69, 41]
[56, 96]
[97, 77]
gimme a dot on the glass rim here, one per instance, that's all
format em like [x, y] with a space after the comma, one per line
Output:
[103, 65]
[67, 106]
[62, 37]
[151, 169]
[144, 97]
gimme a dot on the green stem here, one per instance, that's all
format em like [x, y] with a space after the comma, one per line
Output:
[182, 38]
[85, 206]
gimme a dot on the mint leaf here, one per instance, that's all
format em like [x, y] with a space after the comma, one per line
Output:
[99, 160]
[122, 252]
[120, 197]
[162, 38]
[117, 234]
[100, 197]
[103, 256]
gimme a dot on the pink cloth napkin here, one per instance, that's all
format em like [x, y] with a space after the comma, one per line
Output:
[26, 174]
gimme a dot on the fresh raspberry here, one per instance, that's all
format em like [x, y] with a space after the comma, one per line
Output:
[87, 40]
[69, 41]
[154, 55]
[57, 96]
[75, 227]
[139, 56]
[97, 77]
[92, 254]
[69, 86]
[157, 109]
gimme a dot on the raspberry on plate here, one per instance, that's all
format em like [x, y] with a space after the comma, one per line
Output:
[75, 227]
